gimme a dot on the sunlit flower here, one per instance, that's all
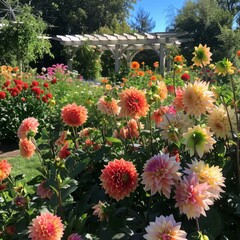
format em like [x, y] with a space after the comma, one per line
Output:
[74, 115]
[5, 169]
[28, 125]
[100, 210]
[135, 65]
[238, 53]
[156, 64]
[165, 228]
[192, 197]
[43, 191]
[178, 101]
[224, 67]
[27, 148]
[108, 106]
[162, 90]
[62, 140]
[219, 123]
[131, 130]
[179, 59]
[46, 227]
[74, 236]
[2, 95]
[158, 114]
[133, 103]
[160, 173]
[197, 99]
[64, 152]
[174, 125]
[202, 55]
[211, 175]
[119, 178]
[198, 140]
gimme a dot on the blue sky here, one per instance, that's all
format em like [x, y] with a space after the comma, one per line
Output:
[158, 10]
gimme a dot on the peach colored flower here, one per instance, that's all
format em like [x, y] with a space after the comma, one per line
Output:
[27, 148]
[165, 228]
[133, 103]
[219, 123]
[211, 175]
[74, 236]
[162, 90]
[46, 227]
[119, 178]
[158, 114]
[28, 125]
[192, 197]
[108, 106]
[100, 211]
[5, 169]
[174, 125]
[198, 140]
[202, 55]
[64, 152]
[160, 173]
[131, 130]
[74, 115]
[197, 99]
[62, 140]
[43, 191]
[178, 100]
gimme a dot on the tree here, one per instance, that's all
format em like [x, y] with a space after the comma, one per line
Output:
[22, 40]
[202, 21]
[143, 22]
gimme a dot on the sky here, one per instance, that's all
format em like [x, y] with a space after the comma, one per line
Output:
[158, 10]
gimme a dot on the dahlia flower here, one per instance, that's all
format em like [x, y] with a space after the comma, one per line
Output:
[133, 103]
[198, 139]
[46, 227]
[5, 169]
[27, 148]
[192, 197]
[28, 125]
[131, 130]
[178, 101]
[64, 152]
[211, 175]
[202, 55]
[119, 178]
[135, 65]
[62, 140]
[224, 67]
[174, 125]
[197, 99]
[158, 114]
[108, 106]
[100, 211]
[162, 90]
[165, 228]
[74, 115]
[44, 192]
[160, 173]
[218, 121]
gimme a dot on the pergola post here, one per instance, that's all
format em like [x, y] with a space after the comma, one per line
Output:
[117, 58]
[70, 54]
[162, 58]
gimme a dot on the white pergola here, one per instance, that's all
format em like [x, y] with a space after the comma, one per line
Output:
[121, 45]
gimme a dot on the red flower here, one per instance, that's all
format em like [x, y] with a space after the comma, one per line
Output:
[14, 91]
[36, 90]
[19, 87]
[49, 95]
[2, 95]
[46, 85]
[185, 77]
[170, 88]
[119, 178]
[7, 83]
[35, 84]
[44, 99]
[64, 152]
[54, 81]
[16, 81]
[25, 86]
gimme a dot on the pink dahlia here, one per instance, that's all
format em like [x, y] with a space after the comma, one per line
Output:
[27, 148]
[192, 197]
[119, 178]
[74, 115]
[5, 169]
[133, 103]
[43, 191]
[46, 227]
[160, 173]
[165, 228]
[100, 211]
[28, 125]
[108, 105]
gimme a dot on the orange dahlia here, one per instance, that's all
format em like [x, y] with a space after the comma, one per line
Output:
[108, 105]
[5, 169]
[27, 148]
[119, 178]
[28, 125]
[74, 115]
[197, 99]
[202, 55]
[135, 65]
[160, 173]
[131, 130]
[133, 103]
[165, 228]
[46, 227]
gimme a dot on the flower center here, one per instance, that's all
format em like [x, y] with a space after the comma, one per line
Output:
[165, 236]
[197, 138]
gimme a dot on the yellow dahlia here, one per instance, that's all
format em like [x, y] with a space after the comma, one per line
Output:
[202, 55]
[198, 140]
[211, 175]
[219, 123]
[162, 90]
[197, 99]
[173, 126]
[224, 67]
